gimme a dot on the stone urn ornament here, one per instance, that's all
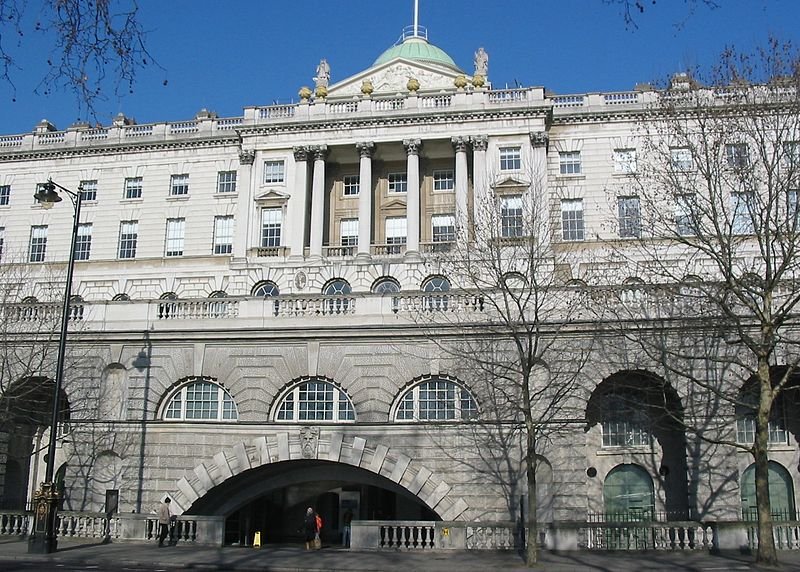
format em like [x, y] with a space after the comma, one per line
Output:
[367, 88]
[413, 85]
[305, 93]
[321, 91]
[460, 81]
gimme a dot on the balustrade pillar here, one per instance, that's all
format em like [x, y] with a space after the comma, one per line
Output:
[318, 199]
[365, 151]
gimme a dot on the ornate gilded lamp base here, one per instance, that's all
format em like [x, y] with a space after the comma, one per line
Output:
[42, 539]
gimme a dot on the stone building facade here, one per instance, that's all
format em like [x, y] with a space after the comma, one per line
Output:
[245, 336]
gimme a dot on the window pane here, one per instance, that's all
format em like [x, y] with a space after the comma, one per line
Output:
[273, 171]
[511, 216]
[133, 188]
[443, 180]
[351, 185]
[128, 237]
[510, 158]
[179, 185]
[5, 194]
[569, 162]
[223, 234]
[271, 222]
[398, 183]
[226, 182]
[348, 229]
[572, 219]
[83, 242]
[175, 232]
[629, 217]
[443, 228]
[38, 244]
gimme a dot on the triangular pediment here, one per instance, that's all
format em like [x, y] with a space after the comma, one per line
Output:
[510, 183]
[392, 77]
[272, 195]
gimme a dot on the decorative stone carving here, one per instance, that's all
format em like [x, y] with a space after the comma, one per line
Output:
[367, 87]
[321, 91]
[478, 80]
[481, 62]
[412, 146]
[460, 144]
[323, 76]
[309, 440]
[394, 79]
[247, 157]
[305, 93]
[540, 139]
[320, 152]
[413, 85]
[479, 142]
[460, 82]
[300, 153]
[300, 280]
[365, 148]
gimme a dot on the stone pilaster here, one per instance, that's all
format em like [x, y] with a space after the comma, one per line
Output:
[365, 151]
[318, 199]
[412, 198]
[461, 177]
[296, 208]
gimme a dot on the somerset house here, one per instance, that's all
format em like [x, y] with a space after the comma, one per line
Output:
[259, 302]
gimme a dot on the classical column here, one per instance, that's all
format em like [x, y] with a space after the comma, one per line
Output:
[365, 151]
[462, 212]
[296, 208]
[318, 199]
[479, 181]
[412, 195]
[245, 188]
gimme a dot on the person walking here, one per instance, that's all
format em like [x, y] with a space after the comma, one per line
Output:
[310, 528]
[346, 529]
[164, 517]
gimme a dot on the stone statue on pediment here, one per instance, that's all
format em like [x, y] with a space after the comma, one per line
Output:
[481, 62]
[323, 76]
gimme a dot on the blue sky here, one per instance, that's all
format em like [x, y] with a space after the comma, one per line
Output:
[225, 55]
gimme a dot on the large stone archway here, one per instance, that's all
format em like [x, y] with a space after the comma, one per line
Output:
[326, 445]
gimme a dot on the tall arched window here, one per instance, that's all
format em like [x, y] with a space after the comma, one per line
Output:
[315, 399]
[437, 398]
[339, 288]
[628, 494]
[625, 421]
[781, 493]
[201, 400]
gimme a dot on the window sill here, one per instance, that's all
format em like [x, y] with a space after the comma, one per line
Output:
[232, 195]
[621, 450]
[577, 177]
[178, 198]
[131, 201]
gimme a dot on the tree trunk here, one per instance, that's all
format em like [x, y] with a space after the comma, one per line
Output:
[766, 544]
[532, 528]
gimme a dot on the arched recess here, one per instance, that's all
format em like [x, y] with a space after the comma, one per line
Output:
[628, 494]
[330, 445]
[634, 407]
[781, 493]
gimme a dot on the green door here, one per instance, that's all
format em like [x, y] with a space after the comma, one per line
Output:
[781, 492]
[628, 497]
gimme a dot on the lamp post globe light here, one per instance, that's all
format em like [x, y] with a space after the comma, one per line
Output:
[42, 537]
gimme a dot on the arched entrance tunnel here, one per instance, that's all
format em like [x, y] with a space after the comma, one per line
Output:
[272, 499]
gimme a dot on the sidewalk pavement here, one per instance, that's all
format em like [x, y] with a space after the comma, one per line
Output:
[291, 558]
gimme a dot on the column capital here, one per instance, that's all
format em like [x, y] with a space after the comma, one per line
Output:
[540, 139]
[412, 146]
[460, 143]
[365, 149]
[300, 153]
[479, 142]
[247, 157]
[320, 152]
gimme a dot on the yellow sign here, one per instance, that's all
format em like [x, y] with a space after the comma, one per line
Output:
[257, 540]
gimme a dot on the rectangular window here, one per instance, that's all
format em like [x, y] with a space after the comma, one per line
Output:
[133, 188]
[630, 218]
[179, 185]
[83, 242]
[351, 183]
[792, 207]
[2, 240]
[176, 228]
[742, 209]
[736, 155]
[398, 182]
[444, 180]
[395, 233]
[681, 158]
[271, 223]
[511, 216]
[684, 214]
[572, 219]
[791, 150]
[5, 195]
[223, 234]
[226, 182]
[273, 172]
[624, 161]
[443, 228]
[88, 190]
[348, 231]
[510, 158]
[569, 162]
[128, 237]
[38, 245]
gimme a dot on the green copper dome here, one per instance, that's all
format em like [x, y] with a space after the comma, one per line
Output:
[418, 49]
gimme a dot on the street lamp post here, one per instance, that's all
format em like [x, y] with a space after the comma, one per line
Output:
[42, 537]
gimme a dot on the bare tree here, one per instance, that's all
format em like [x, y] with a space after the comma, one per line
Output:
[632, 10]
[95, 44]
[505, 324]
[715, 200]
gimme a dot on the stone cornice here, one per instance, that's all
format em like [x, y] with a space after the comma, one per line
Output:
[117, 148]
